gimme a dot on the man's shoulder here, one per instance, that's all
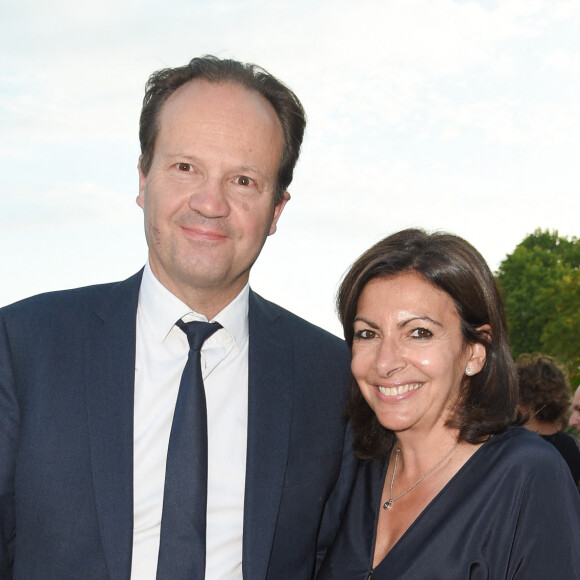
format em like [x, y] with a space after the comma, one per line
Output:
[69, 300]
[298, 327]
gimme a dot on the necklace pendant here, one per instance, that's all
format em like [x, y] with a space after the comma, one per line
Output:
[387, 505]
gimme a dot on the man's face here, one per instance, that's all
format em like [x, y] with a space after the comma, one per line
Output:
[575, 416]
[208, 199]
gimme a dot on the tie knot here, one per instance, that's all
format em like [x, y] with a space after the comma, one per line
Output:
[198, 332]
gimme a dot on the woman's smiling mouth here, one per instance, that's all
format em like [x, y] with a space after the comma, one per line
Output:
[400, 390]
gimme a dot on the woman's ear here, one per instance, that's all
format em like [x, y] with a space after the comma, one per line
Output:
[477, 352]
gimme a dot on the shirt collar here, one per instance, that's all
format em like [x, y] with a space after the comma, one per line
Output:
[163, 309]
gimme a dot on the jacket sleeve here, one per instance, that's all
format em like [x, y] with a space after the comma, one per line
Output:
[9, 428]
[336, 503]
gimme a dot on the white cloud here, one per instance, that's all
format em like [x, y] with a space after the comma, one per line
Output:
[70, 204]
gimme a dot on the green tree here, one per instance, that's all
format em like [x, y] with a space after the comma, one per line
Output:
[540, 282]
[560, 335]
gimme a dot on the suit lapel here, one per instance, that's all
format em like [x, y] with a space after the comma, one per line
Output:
[271, 390]
[110, 352]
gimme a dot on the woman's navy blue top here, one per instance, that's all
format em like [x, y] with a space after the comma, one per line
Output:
[511, 512]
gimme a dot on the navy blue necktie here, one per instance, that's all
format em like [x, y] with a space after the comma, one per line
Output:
[183, 523]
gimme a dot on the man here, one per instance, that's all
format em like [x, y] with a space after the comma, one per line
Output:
[89, 378]
[574, 420]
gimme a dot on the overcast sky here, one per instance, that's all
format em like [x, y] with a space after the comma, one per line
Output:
[455, 115]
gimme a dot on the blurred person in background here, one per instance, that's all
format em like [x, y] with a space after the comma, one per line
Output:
[544, 397]
[574, 420]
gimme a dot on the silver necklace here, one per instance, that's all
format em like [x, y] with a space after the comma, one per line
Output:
[387, 505]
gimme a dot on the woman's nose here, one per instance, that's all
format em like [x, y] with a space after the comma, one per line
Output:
[388, 357]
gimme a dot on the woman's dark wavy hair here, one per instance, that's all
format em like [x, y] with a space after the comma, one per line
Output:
[487, 400]
[163, 83]
[544, 390]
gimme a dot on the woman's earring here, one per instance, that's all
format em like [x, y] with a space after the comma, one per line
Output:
[468, 370]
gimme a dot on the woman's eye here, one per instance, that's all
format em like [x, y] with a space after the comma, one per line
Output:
[365, 334]
[421, 333]
[184, 166]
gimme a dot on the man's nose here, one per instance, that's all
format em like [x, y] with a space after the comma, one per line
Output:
[210, 199]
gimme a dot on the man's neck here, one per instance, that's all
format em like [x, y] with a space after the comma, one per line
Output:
[207, 301]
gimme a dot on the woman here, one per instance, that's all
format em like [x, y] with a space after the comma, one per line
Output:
[544, 397]
[449, 488]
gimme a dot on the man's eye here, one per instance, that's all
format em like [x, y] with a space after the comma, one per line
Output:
[421, 333]
[243, 180]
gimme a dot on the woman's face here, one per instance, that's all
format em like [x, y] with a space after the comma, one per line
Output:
[408, 353]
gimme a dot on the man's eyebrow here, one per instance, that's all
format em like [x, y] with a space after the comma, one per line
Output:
[253, 168]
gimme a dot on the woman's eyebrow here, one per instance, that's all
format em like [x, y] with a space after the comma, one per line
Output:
[406, 321]
[362, 319]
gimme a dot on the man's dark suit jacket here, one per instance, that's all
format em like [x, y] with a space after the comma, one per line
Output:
[67, 370]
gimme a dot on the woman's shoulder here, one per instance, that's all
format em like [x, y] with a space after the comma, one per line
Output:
[517, 439]
[521, 450]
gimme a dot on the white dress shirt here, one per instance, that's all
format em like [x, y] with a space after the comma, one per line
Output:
[162, 351]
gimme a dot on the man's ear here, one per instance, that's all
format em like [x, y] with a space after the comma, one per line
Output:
[477, 352]
[142, 179]
[278, 212]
